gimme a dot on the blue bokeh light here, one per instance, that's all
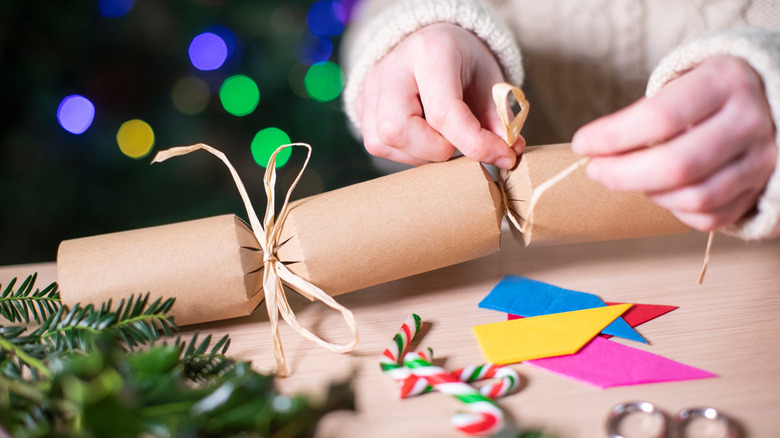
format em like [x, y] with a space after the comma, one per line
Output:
[115, 8]
[316, 49]
[228, 37]
[75, 113]
[208, 51]
[323, 18]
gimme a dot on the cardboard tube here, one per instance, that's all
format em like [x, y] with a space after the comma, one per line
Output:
[211, 266]
[577, 209]
[392, 227]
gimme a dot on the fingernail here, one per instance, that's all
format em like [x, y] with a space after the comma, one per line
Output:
[505, 163]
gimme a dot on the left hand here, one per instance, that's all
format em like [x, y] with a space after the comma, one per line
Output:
[703, 147]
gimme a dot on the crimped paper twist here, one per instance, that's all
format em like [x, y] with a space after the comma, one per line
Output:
[275, 273]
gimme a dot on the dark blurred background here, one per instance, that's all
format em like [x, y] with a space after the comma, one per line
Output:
[81, 78]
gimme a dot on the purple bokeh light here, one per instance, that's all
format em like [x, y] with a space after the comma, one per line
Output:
[208, 51]
[75, 113]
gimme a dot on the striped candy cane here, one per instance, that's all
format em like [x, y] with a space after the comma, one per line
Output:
[409, 384]
[507, 383]
[484, 416]
[391, 360]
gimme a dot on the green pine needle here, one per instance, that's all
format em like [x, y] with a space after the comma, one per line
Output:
[17, 305]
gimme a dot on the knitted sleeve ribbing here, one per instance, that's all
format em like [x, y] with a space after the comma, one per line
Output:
[381, 33]
[760, 48]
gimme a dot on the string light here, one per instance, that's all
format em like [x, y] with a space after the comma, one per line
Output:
[135, 138]
[208, 51]
[75, 113]
[266, 142]
[324, 81]
[190, 95]
[239, 95]
[115, 8]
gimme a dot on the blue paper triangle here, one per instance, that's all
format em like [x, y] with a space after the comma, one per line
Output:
[525, 297]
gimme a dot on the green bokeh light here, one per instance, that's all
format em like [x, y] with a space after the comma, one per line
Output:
[239, 95]
[324, 81]
[266, 142]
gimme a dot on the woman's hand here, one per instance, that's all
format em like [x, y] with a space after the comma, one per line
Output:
[703, 147]
[431, 95]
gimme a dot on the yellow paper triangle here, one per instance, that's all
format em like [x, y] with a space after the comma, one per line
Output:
[551, 335]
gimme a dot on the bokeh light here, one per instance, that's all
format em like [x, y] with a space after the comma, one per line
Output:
[135, 138]
[191, 95]
[115, 8]
[266, 142]
[324, 81]
[228, 37]
[239, 95]
[75, 113]
[324, 18]
[316, 49]
[208, 51]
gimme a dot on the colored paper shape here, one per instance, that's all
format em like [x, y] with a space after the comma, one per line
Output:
[526, 297]
[604, 363]
[641, 313]
[637, 315]
[536, 337]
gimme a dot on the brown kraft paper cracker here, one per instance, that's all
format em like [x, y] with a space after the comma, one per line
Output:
[211, 266]
[393, 227]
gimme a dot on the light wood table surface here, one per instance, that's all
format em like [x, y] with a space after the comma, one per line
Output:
[729, 326]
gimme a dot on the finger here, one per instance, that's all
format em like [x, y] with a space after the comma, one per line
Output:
[373, 144]
[682, 161]
[682, 103]
[725, 215]
[400, 124]
[445, 110]
[747, 174]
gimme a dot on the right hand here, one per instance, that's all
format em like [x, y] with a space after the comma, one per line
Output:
[431, 95]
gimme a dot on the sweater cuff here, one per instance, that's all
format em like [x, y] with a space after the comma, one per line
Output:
[760, 48]
[379, 36]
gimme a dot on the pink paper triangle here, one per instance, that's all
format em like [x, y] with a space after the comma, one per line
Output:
[604, 363]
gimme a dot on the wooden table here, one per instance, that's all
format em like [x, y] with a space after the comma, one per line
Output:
[729, 326]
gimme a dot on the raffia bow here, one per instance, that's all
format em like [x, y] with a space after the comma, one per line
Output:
[275, 273]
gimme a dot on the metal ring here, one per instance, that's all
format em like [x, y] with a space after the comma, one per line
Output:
[621, 411]
[685, 416]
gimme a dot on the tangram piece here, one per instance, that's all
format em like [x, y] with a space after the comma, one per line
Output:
[641, 313]
[543, 336]
[526, 297]
[637, 315]
[604, 363]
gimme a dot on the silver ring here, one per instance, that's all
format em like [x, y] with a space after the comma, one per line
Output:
[621, 411]
[685, 416]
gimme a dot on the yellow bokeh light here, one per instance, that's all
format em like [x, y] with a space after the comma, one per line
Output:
[135, 138]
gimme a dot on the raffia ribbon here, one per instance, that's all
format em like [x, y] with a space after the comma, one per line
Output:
[512, 125]
[275, 273]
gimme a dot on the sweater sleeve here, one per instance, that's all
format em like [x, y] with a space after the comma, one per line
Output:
[376, 35]
[760, 48]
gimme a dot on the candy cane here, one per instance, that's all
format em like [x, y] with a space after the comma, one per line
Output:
[484, 416]
[409, 384]
[507, 384]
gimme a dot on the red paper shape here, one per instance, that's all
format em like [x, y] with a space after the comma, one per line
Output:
[638, 314]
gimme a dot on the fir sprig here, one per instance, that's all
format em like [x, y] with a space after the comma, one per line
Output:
[16, 305]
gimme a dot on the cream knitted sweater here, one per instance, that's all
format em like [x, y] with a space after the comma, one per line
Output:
[578, 60]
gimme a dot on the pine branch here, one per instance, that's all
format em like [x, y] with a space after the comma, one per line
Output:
[17, 305]
[134, 322]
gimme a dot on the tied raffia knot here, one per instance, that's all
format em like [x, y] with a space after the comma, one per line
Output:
[512, 125]
[275, 274]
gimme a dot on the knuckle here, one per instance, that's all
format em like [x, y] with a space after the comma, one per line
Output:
[661, 115]
[390, 131]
